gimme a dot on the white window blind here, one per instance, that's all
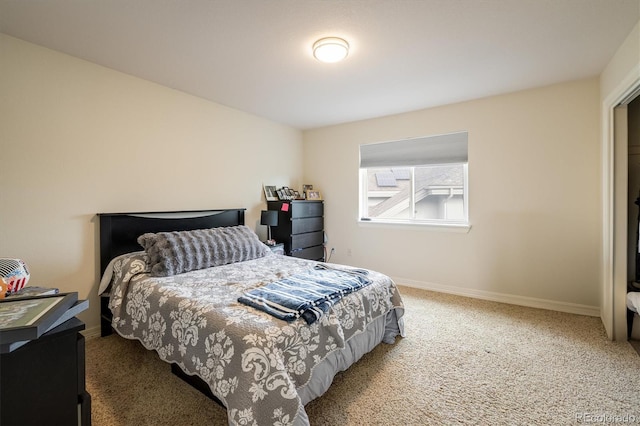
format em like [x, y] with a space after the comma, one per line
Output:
[439, 149]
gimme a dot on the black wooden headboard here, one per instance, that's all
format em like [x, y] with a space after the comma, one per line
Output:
[119, 231]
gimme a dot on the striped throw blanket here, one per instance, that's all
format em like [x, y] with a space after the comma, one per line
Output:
[308, 295]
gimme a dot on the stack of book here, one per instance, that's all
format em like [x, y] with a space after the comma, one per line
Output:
[29, 313]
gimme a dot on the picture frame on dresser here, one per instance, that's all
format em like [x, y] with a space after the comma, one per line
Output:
[270, 193]
[28, 318]
[314, 195]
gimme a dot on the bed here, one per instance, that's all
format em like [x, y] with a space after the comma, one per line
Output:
[187, 308]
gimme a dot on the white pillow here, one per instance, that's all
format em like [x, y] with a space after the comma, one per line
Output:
[107, 276]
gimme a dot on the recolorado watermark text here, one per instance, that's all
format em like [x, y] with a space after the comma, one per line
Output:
[606, 418]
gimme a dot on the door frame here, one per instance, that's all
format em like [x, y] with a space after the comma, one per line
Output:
[614, 207]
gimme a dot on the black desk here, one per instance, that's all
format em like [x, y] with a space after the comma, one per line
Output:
[43, 382]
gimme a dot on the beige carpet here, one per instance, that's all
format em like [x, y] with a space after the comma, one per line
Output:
[464, 361]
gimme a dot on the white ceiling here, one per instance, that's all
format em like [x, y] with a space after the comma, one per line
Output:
[255, 55]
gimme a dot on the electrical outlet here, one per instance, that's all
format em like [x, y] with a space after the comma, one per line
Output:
[349, 252]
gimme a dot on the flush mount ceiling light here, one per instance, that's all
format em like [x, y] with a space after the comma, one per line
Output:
[330, 49]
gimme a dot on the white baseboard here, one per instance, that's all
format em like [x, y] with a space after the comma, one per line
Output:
[532, 302]
[91, 333]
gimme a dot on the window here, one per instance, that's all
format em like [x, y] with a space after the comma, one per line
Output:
[417, 181]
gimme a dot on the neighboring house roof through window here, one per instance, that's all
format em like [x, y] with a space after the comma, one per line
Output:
[386, 179]
[431, 180]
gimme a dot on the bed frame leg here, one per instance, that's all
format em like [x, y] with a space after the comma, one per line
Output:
[196, 382]
[105, 316]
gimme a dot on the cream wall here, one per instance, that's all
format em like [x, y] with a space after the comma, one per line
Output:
[534, 199]
[626, 59]
[78, 139]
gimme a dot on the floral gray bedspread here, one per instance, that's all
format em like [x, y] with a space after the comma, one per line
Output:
[252, 361]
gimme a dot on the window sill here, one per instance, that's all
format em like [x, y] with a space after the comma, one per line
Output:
[426, 226]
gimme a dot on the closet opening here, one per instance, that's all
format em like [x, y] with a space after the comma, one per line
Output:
[632, 295]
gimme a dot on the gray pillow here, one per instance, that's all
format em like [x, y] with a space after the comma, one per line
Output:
[172, 253]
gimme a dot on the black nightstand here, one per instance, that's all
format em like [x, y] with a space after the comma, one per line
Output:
[277, 249]
[43, 382]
